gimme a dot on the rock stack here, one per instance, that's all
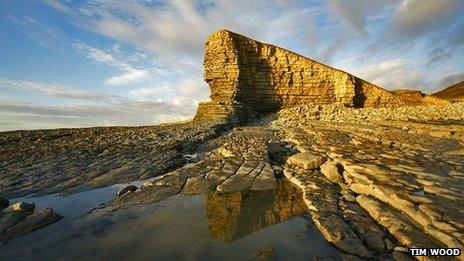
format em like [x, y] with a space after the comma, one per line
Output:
[248, 78]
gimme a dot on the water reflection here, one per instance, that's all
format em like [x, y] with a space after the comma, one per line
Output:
[212, 226]
[234, 215]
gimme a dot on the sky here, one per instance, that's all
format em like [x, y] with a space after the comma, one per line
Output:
[104, 63]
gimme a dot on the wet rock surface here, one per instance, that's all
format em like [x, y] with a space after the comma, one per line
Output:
[19, 219]
[234, 162]
[370, 187]
[4, 203]
[127, 189]
[73, 160]
[395, 181]
[266, 253]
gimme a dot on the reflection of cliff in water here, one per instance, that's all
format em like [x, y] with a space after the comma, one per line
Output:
[235, 215]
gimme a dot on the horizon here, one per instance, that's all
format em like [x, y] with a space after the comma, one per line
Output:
[100, 63]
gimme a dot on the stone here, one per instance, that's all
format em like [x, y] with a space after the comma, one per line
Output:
[127, 189]
[453, 93]
[226, 152]
[12, 218]
[401, 256]
[401, 249]
[242, 179]
[306, 160]
[331, 171]
[20, 206]
[147, 184]
[264, 254]
[190, 157]
[338, 232]
[198, 185]
[398, 225]
[33, 222]
[4, 203]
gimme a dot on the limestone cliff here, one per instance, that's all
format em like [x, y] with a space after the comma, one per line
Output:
[248, 78]
[453, 93]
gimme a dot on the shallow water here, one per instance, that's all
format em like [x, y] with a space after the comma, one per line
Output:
[201, 227]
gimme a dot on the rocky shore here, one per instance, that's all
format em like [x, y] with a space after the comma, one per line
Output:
[399, 180]
[373, 187]
[442, 114]
[73, 160]
[375, 180]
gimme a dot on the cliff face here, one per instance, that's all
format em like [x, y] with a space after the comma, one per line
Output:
[247, 78]
[453, 93]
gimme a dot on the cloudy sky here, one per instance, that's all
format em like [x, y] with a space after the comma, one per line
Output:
[100, 62]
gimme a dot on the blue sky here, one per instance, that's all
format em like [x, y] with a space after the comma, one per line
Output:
[98, 63]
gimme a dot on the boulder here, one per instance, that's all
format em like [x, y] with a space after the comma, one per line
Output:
[9, 219]
[306, 160]
[331, 171]
[20, 206]
[33, 222]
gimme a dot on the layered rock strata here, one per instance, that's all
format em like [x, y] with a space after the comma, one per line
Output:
[404, 175]
[73, 160]
[372, 185]
[245, 75]
[375, 180]
[19, 219]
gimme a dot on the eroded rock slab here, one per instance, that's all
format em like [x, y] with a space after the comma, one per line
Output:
[33, 222]
[19, 219]
[391, 173]
[73, 160]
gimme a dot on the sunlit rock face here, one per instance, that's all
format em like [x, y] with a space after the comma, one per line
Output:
[248, 78]
[237, 214]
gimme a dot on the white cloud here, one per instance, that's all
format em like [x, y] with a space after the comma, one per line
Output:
[100, 56]
[195, 89]
[416, 15]
[166, 45]
[141, 107]
[31, 20]
[17, 115]
[178, 28]
[392, 74]
[57, 5]
[54, 90]
[185, 89]
[149, 93]
[353, 14]
[130, 76]
[449, 80]
[326, 54]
